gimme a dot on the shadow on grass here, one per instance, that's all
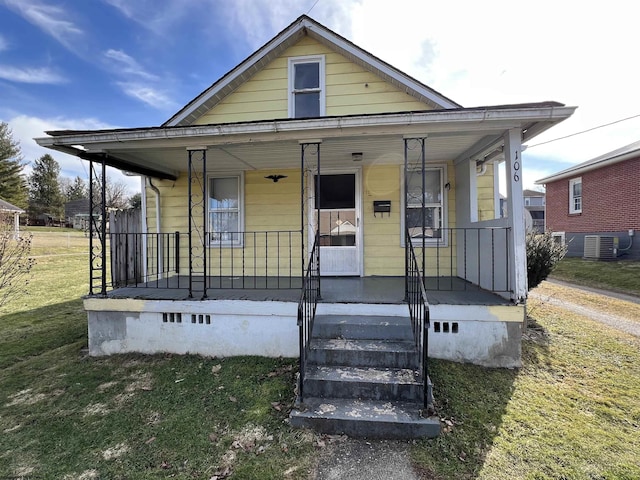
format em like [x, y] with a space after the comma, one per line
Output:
[471, 402]
[29, 333]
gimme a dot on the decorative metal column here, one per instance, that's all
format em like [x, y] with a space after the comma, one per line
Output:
[97, 229]
[415, 164]
[309, 190]
[198, 221]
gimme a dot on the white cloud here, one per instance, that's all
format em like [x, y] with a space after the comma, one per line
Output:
[25, 128]
[4, 44]
[52, 19]
[146, 94]
[31, 75]
[156, 15]
[127, 65]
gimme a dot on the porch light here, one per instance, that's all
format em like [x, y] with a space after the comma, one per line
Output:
[356, 156]
[275, 177]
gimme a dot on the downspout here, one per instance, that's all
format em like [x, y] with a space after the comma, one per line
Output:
[159, 250]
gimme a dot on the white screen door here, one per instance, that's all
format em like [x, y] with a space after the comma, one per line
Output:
[339, 224]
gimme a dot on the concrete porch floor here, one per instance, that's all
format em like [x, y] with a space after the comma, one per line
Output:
[369, 290]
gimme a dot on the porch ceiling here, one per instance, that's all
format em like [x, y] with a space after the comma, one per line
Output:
[451, 135]
[335, 153]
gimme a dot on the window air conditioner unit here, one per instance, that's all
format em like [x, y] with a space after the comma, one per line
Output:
[600, 247]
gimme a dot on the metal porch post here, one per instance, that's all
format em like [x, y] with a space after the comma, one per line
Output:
[97, 229]
[197, 215]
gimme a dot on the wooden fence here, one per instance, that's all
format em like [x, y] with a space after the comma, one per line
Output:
[126, 250]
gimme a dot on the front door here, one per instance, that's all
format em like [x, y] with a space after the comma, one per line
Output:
[339, 224]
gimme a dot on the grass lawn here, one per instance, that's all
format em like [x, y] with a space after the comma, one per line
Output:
[622, 276]
[572, 410]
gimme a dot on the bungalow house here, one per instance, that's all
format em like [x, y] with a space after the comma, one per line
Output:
[11, 215]
[594, 207]
[317, 202]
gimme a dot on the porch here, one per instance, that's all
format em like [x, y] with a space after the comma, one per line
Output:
[339, 290]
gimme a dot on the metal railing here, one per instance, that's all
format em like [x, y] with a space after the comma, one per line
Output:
[465, 258]
[235, 260]
[127, 259]
[416, 298]
[307, 310]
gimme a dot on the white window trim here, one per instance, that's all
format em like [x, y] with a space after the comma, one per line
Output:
[434, 242]
[559, 237]
[572, 208]
[320, 59]
[228, 244]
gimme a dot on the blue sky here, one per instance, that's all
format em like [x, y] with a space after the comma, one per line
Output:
[86, 64]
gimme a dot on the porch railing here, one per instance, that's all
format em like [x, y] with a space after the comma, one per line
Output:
[307, 310]
[416, 297]
[465, 258]
[235, 260]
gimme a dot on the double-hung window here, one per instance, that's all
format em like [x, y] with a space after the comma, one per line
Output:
[306, 87]
[225, 211]
[575, 195]
[433, 204]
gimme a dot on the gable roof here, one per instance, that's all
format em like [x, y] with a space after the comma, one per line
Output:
[304, 25]
[621, 154]
[532, 193]
[7, 207]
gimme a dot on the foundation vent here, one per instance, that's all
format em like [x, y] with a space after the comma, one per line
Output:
[445, 327]
[171, 317]
[201, 318]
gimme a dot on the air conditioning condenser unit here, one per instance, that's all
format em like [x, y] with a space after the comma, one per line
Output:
[600, 247]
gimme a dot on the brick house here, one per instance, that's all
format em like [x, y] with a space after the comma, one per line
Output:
[600, 200]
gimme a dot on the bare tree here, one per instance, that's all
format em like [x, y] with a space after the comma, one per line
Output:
[15, 263]
[115, 194]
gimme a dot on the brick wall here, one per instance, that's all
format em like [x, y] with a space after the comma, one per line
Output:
[610, 200]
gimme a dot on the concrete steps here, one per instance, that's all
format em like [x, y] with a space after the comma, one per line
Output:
[362, 379]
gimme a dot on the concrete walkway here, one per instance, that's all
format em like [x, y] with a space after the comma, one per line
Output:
[354, 459]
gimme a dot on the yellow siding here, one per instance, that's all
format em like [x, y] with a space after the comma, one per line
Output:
[272, 207]
[383, 252]
[350, 89]
[486, 202]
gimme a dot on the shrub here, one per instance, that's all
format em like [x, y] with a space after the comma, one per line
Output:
[543, 253]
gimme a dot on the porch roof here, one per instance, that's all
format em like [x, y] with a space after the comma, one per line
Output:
[453, 134]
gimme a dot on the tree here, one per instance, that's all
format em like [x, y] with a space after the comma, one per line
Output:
[75, 189]
[543, 253]
[135, 200]
[15, 264]
[115, 194]
[13, 186]
[45, 196]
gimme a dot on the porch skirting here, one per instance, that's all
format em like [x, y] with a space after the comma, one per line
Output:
[222, 328]
[487, 335]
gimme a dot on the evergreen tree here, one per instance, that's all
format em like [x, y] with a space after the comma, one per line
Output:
[135, 200]
[75, 189]
[13, 186]
[45, 195]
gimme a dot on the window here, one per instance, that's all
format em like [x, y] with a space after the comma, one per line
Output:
[225, 202]
[575, 195]
[433, 200]
[306, 87]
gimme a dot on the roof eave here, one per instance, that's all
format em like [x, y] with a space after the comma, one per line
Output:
[583, 168]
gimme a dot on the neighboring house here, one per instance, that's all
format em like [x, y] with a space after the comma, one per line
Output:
[534, 204]
[594, 207]
[11, 213]
[76, 213]
[310, 127]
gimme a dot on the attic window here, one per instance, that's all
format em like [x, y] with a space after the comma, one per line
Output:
[306, 87]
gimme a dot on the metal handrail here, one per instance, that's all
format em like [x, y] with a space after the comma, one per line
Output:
[416, 298]
[307, 310]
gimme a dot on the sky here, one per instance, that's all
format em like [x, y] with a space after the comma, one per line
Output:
[89, 64]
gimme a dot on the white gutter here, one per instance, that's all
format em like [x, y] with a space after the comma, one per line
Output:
[160, 249]
[484, 117]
